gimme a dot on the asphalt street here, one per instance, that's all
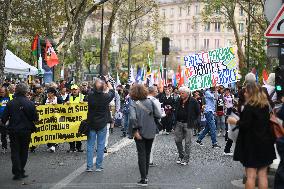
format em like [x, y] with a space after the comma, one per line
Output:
[207, 169]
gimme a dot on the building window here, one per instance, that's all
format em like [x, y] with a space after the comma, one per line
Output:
[188, 10]
[179, 27]
[196, 9]
[207, 27]
[187, 43]
[206, 44]
[241, 11]
[172, 11]
[229, 29]
[180, 11]
[172, 28]
[179, 44]
[164, 13]
[195, 26]
[188, 27]
[241, 27]
[195, 44]
[229, 42]
[217, 43]
[217, 26]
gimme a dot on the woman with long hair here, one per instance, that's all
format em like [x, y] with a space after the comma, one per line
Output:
[142, 121]
[254, 146]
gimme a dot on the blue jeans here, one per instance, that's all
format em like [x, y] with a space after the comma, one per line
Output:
[210, 126]
[126, 125]
[100, 136]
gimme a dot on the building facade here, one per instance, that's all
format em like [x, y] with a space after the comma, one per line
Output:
[188, 33]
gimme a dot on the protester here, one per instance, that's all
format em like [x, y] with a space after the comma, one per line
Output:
[126, 106]
[141, 120]
[187, 116]
[63, 94]
[153, 92]
[52, 99]
[279, 176]
[97, 117]
[11, 90]
[270, 86]
[21, 115]
[210, 98]
[75, 97]
[168, 104]
[39, 96]
[220, 112]
[4, 99]
[201, 119]
[254, 146]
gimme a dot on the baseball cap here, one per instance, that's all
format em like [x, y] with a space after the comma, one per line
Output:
[74, 87]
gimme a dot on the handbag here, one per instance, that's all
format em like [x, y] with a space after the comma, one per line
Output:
[276, 126]
[233, 130]
[84, 128]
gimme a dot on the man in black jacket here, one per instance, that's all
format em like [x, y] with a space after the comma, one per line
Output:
[187, 114]
[21, 114]
[98, 117]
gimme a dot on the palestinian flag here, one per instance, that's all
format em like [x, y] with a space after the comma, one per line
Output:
[35, 45]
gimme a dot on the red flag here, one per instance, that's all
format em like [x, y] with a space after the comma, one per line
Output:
[181, 81]
[264, 74]
[34, 46]
[50, 55]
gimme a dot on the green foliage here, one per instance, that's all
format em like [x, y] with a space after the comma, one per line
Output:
[89, 57]
[31, 17]
[139, 54]
[21, 49]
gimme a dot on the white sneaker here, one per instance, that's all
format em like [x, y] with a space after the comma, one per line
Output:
[89, 170]
[99, 169]
[179, 161]
[184, 163]
[51, 149]
[228, 154]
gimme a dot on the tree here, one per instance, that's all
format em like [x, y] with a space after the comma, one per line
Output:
[31, 17]
[138, 22]
[114, 5]
[257, 25]
[91, 49]
[77, 13]
[5, 19]
[224, 11]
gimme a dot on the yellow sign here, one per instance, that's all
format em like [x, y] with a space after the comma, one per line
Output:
[59, 123]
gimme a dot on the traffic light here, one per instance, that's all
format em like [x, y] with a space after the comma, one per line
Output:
[279, 81]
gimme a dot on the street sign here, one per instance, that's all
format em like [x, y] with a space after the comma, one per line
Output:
[269, 8]
[276, 28]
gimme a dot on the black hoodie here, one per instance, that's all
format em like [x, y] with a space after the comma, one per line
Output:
[98, 109]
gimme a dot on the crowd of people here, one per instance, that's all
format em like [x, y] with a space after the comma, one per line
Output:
[143, 112]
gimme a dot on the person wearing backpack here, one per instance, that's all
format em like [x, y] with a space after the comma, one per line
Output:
[142, 114]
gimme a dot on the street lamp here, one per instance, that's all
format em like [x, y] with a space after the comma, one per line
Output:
[102, 41]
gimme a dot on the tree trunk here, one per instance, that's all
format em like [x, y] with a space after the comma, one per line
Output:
[108, 38]
[79, 50]
[4, 34]
[239, 45]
